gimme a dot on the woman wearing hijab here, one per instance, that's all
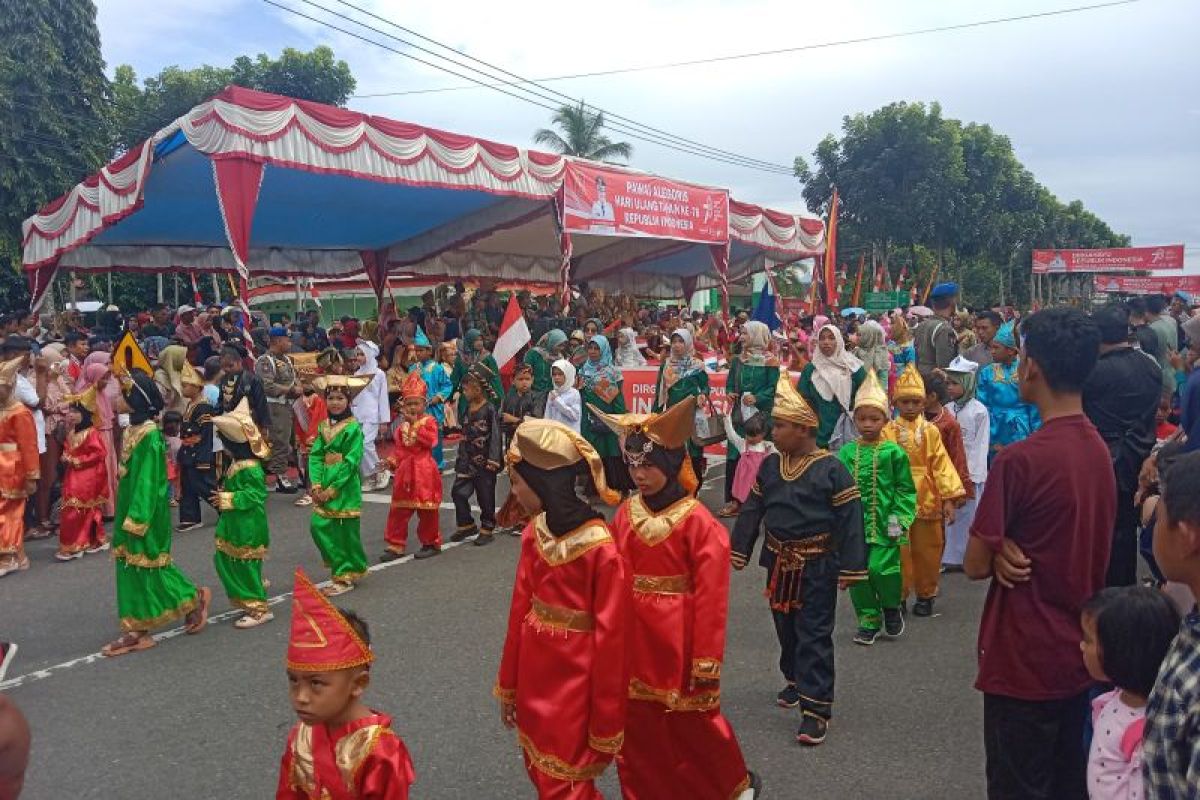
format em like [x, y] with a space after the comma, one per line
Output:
[873, 353]
[85, 482]
[168, 374]
[750, 388]
[628, 354]
[562, 678]
[97, 372]
[681, 376]
[547, 350]
[563, 403]
[901, 344]
[600, 388]
[999, 389]
[829, 384]
[371, 409]
[972, 418]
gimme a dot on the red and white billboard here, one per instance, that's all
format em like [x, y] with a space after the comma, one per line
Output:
[614, 203]
[1108, 259]
[1155, 284]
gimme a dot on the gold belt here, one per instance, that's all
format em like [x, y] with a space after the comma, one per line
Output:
[799, 549]
[662, 584]
[8, 447]
[559, 618]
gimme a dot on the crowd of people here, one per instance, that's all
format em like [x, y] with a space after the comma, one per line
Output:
[1045, 453]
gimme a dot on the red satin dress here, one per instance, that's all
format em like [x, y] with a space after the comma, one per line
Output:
[677, 743]
[418, 485]
[362, 760]
[84, 491]
[564, 657]
[19, 463]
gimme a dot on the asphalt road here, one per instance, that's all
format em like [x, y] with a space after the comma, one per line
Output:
[207, 716]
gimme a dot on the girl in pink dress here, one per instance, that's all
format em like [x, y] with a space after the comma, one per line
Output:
[97, 371]
[754, 449]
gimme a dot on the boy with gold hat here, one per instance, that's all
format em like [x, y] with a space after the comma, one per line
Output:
[418, 486]
[889, 499]
[939, 489]
[85, 481]
[678, 555]
[336, 487]
[341, 748]
[813, 517]
[242, 533]
[20, 468]
[562, 681]
[196, 473]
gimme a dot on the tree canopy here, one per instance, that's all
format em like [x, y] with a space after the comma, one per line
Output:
[582, 135]
[918, 189]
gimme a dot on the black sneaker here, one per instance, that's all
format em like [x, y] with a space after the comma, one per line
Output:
[284, 486]
[484, 538]
[8, 651]
[866, 636]
[755, 784]
[390, 556]
[464, 533]
[812, 730]
[184, 527]
[923, 607]
[428, 551]
[789, 697]
[893, 621]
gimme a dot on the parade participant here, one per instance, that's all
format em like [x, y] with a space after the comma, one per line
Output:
[561, 681]
[480, 456]
[681, 376]
[84, 484]
[371, 409]
[901, 344]
[829, 384]
[938, 490]
[937, 395]
[542, 355]
[237, 383]
[600, 388]
[972, 418]
[242, 532]
[418, 486]
[678, 557]
[521, 402]
[97, 372]
[336, 483]
[151, 590]
[810, 507]
[340, 748]
[563, 402]
[474, 351]
[196, 459]
[999, 390]
[437, 384]
[278, 376]
[889, 502]
[753, 377]
[20, 468]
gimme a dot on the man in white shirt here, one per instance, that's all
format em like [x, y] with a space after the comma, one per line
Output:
[604, 219]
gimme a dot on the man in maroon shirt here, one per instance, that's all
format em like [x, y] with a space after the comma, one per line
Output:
[1042, 533]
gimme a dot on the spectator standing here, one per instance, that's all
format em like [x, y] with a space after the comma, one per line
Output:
[237, 383]
[935, 339]
[987, 324]
[278, 377]
[1189, 401]
[1167, 332]
[187, 330]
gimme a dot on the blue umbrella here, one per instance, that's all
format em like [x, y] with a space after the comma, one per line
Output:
[853, 311]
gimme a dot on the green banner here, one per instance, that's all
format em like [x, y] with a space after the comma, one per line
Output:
[884, 301]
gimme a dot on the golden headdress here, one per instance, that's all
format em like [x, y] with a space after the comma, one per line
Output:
[909, 385]
[547, 444]
[188, 376]
[789, 404]
[9, 370]
[350, 384]
[871, 394]
[86, 398]
[238, 426]
[670, 429]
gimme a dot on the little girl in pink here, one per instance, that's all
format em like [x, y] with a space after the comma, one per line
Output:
[1126, 633]
[754, 448]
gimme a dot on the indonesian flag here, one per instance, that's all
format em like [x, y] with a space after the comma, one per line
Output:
[196, 298]
[514, 334]
[312, 291]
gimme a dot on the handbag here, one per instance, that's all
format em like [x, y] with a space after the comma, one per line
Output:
[844, 432]
[709, 426]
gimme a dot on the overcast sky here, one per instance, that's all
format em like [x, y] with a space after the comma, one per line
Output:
[1103, 106]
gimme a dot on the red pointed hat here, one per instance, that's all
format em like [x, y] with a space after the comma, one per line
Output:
[321, 640]
[413, 386]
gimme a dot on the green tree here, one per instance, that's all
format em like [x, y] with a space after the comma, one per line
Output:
[581, 135]
[54, 102]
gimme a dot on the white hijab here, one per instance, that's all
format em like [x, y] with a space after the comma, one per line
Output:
[370, 357]
[833, 376]
[568, 370]
[628, 354]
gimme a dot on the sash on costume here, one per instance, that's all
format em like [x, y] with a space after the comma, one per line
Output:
[783, 589]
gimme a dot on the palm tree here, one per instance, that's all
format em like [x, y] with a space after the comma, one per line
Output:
[581, 135]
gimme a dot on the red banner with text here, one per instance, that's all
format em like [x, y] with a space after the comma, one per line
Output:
[1155, 284]
[1108, 259]
[615, 203]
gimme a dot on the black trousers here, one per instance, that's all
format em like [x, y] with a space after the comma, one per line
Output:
[483, 486]
[1122, 561]
[806, 637]
[730, 470]
[198, 485]
[1035, 749]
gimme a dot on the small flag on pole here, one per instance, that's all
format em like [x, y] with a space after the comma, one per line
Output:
[514, 334]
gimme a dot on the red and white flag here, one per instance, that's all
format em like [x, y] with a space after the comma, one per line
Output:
[196, 298]
[514, 334]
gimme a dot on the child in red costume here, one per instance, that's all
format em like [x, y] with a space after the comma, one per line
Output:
[85, 482]
[418, 487]
[340, 749]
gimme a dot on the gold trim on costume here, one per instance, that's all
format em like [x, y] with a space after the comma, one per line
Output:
[132, 438]
[121, 553]
[792, 470]
[329, 432]
[84, 505]
[351, 751]
[238, 466]
[13, 494]
[247, 553]
[845, 496]
[554, 766]
[303, 775]
[740, 789]
[706, 668]
[506, 695]
[662, 584]
[654, 528]
[413, 504]
[607, 744]
[136, 528]
[673, 698]
[559, 618]
[224, 501]
[8, 447]
[559, 550]
[131, 624]
[328, 513]
[333, 458]
[254, 606]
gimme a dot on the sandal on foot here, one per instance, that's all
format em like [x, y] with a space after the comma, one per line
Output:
[253, 620]
[197, 620]
[306, 500]
[336, 588]
[729, 510]
[128, 643]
